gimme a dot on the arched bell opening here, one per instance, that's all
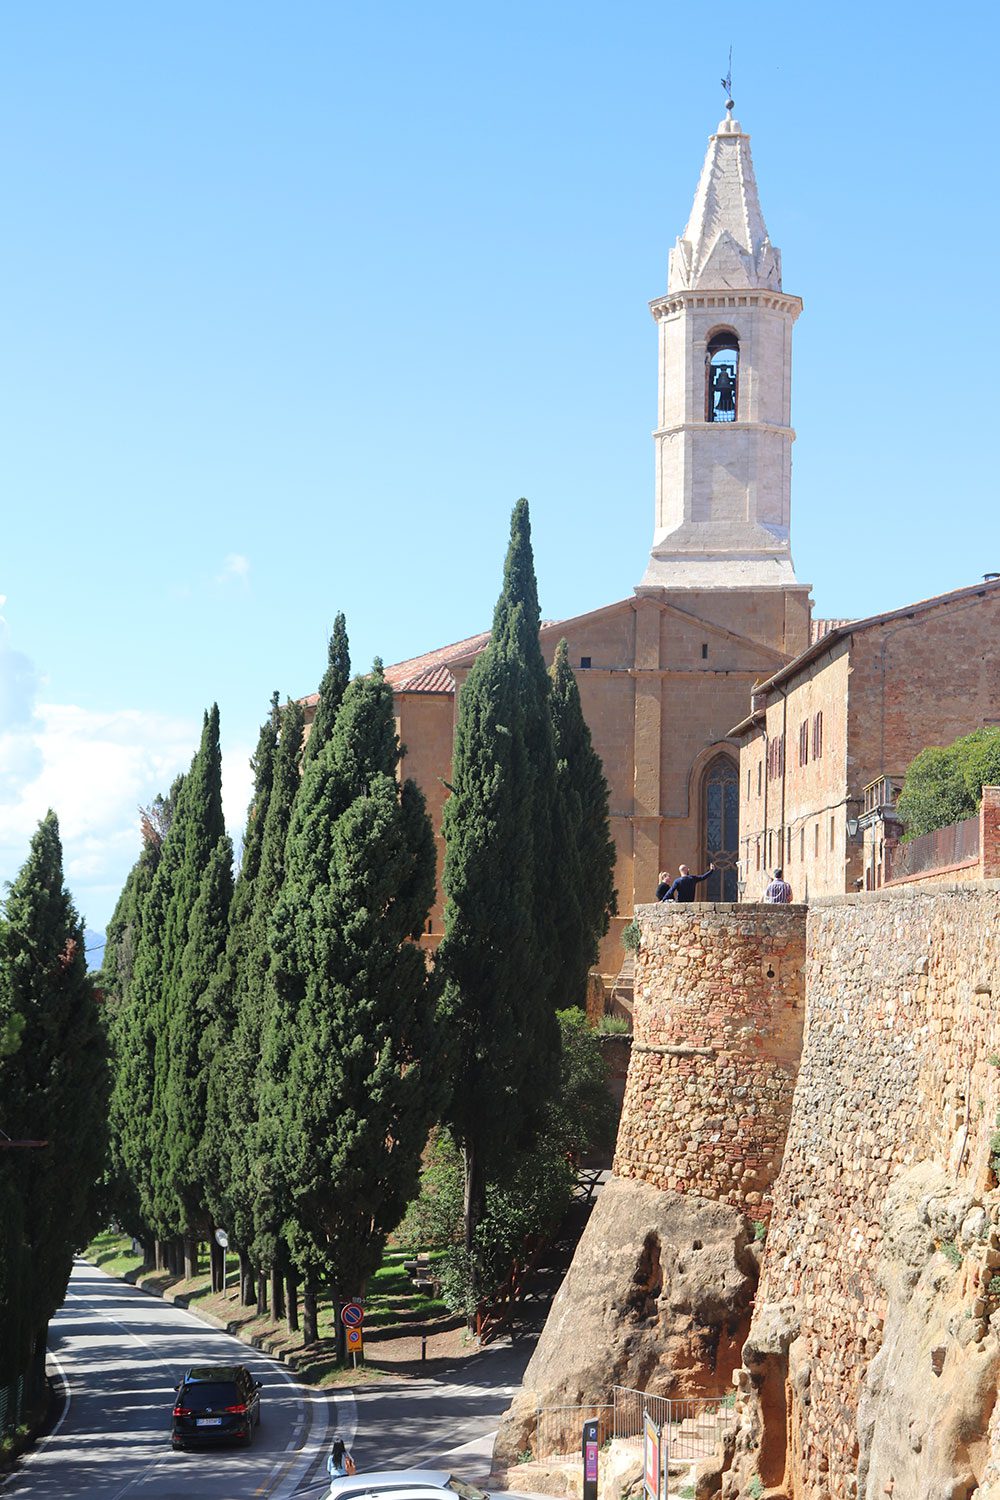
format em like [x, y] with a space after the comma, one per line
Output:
[722, 377]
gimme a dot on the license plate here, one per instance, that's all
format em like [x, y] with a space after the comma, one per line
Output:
[208, 1421]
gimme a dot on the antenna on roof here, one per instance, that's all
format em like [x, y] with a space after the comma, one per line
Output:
[727, 84]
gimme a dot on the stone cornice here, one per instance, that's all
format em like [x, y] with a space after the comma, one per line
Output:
[786, 432]
[675, 302]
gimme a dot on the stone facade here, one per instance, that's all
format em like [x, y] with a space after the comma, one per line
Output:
[857, 706]
[717, 1032]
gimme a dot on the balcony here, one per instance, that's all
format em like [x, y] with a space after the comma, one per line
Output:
[880, 796]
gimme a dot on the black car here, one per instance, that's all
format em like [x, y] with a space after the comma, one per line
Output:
[216, 1404]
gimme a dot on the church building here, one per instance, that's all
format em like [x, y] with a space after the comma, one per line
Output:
[665, 673]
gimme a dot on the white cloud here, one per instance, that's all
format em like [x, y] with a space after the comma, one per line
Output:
[235, 569]
[95, 770]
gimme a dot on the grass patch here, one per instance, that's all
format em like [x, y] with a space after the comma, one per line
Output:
[391, 1303]
[113, 1253]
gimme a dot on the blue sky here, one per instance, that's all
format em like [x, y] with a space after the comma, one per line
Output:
[299, 299]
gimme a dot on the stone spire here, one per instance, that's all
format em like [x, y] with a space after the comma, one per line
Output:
[726, 241]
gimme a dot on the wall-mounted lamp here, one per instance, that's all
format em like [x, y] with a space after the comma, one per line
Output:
[853, 824]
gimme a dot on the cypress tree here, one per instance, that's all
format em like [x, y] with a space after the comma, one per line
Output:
[258, 1195]
[121, 1197]
[497, 955]
[122, 932]
[351, 1082]
[15, 1255]
[137, 1021]
[54, 1086]
[16, 1331]
[190, 1063]
[223, 1161]
[196, 835]
[331, 690]
[583, 854]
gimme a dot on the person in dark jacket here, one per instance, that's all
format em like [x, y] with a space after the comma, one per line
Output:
[684, 886]
[664, 885]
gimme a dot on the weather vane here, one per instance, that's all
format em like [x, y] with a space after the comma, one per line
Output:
[727, 82]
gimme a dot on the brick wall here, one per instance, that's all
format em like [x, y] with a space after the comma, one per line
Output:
[717, 1027]
[896, 1068]
[885, 691]
[989, 833]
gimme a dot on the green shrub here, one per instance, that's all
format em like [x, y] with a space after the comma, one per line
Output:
[943, 784]
[759, 1231]
[630, 937]
[614, 1026]
[951, 1252]
[756, 1487]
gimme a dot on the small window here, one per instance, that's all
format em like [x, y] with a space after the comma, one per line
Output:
[802, 843]
[760, 776]
[585, 661]
[833, 830]
[704, 651]
[758, 854]
[816, 841]
[804, 743]
[748, 783]
[788, 846]
[817, 735]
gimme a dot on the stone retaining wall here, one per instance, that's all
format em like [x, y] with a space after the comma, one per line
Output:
[901, 1065]
[718, 1016]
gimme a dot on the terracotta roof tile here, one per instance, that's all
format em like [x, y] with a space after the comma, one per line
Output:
[819, 628]
[430, 672]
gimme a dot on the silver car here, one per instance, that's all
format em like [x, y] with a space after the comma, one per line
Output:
[404, 1484]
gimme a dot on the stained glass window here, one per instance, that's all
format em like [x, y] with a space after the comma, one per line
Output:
[722, 827]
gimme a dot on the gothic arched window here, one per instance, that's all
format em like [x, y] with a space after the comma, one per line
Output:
[721, 803]
[722, 377]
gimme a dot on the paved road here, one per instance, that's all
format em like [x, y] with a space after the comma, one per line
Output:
[120, 1353]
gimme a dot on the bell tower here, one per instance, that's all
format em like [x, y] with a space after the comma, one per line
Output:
[723, 439]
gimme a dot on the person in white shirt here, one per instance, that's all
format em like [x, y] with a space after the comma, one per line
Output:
[778, 891]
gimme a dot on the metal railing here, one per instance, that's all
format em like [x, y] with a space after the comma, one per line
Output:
[558, 1429]
[934, 851]
[695, 1425]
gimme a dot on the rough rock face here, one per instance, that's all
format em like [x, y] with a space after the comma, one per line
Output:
[929, 1393]
[658, 1298]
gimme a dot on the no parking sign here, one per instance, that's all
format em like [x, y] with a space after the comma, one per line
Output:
[355, 1341]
